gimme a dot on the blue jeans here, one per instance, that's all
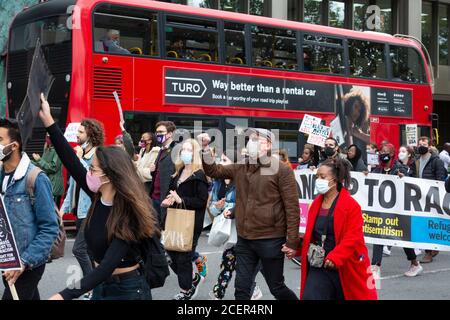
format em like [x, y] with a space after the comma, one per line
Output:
[132, 288]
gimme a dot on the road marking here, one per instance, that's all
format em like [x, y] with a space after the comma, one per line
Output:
[425, 272]
[211, 252]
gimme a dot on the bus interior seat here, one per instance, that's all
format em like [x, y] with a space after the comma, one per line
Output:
[204, 57]
[267, 63]
[237, 60]
[172, 54]
[135, 50]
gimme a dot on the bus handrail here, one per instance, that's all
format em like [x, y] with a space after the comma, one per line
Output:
[427, 54]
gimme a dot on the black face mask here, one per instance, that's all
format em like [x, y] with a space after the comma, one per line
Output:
[422, 150]
[385, 158]
[329, 152]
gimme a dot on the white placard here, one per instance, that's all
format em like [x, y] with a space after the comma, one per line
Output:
[308, 122]
[71, 132]
[372, 159]
[318, 135]
[336, 130]
[411, 134]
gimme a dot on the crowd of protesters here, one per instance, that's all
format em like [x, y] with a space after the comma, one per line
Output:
[121, 196]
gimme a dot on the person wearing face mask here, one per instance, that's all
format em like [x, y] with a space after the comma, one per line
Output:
[429, 167]
[90, 136]
[188, 188]
[52, 166]
[331, 151]
[406, 168]
[164, 167]
[335, 255]
[388, 165]
[267, 216]
[147, 157]
[406, 163]
[34, 238]
[120, 219]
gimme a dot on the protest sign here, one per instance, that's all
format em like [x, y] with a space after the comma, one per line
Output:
[336, 131]
[9, 255]
[403, 212]
[373, 159]
[71, 132]
[318, 135]
[411, 135]
[307, 123]
[40, 81]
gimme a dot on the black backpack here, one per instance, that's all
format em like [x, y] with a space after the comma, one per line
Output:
[152, 258]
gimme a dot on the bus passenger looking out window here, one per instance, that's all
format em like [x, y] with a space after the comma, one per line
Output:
[111, 42]
[192, 39]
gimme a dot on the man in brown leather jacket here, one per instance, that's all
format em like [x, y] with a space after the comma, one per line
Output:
[267, 214]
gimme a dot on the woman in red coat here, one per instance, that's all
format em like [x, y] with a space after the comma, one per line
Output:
[344, 272]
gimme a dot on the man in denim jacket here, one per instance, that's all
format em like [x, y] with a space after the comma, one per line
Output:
[35, 226]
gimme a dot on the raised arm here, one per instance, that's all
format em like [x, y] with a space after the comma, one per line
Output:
[65, 152]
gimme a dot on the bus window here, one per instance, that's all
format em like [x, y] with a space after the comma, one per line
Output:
[235, 43]
[367, 59]
[407, 65]
[191, 39]
[323, 54]
[51, 31]
[288, 135]
[274, 48]
[119, 30]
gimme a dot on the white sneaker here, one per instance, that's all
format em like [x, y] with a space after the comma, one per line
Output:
[386, 251]
[376, 271]
[414, 270]
[257, 294]
[418, 252]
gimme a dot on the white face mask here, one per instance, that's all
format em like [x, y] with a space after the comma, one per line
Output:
[2, 148]
[252, 149]
[322, 186]
[402, 156]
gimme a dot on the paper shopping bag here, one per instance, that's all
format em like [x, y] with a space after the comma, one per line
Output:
[179, 230]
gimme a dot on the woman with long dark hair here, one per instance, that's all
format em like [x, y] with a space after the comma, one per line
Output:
[119, 219]
[335, 264]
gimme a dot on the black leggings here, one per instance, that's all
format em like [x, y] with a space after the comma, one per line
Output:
[182, 265]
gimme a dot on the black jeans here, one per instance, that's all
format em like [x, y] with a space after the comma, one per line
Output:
[377, 255]
[26, 285]
[182, 265]
[80, 251]
[249, 253]
[322, 284]
[131, 288]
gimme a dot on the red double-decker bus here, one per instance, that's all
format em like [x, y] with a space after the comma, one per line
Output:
[228, 70]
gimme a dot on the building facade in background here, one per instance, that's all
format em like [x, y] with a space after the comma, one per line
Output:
[426, 20]
[8, 10]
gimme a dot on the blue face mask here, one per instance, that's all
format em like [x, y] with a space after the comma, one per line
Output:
[186, 157]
